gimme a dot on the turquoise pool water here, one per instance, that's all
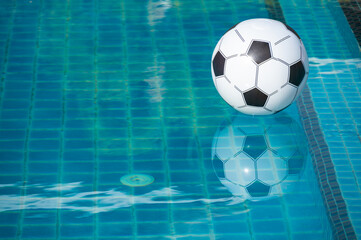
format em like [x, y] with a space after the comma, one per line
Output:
[109, 124]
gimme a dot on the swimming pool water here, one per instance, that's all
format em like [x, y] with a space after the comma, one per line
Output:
[93, 91]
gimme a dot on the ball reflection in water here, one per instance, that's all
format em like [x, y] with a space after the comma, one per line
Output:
[259, 157]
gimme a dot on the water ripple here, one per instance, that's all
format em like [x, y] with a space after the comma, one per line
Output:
[96, 201]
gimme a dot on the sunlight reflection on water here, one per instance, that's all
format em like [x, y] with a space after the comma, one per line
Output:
[85, 201]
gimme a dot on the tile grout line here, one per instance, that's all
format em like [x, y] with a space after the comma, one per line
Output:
[195, 131]
[62, 139]
[30, 119]
[165, 145]
[129, 117]
[96, 119]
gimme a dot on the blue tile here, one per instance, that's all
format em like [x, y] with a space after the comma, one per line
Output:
[271, 236]
[77, 133]
[11, 135]
[14, 114]
[76, 231]
[10, 168]
[190, 177]
[44, 144]
[78, 144]
[274, 226]
[49, 104]
[79, 155]
[8, 231]
[41, 168]
[15, 104]
[192, 228]
[39, 217]
[44, 231]
[231, 227]
[77, 217]
[189, 215]
[116, 216]
[44, 134]
[153, 228]
[152, 215]
[44, 155]
[118, 229]
[49, 124]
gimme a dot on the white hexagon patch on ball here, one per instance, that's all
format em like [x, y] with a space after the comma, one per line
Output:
[260, 66]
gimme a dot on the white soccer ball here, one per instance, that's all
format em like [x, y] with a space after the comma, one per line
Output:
[259, 158]
[260, 66]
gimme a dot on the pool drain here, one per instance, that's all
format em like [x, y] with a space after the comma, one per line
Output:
[137, 180]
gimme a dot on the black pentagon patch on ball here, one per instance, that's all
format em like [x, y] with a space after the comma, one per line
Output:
[255, 97]
[218, 64]
[292, 30]
[258, 189]
[297, 73]
[254, 146]
[218, 166]
[259, 51]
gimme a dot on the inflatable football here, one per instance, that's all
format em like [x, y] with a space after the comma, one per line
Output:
[260, 66]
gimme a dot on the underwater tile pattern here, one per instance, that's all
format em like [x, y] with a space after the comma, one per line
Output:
[322, 163]
[95, 90]
[335, 92]
[352, 10]
[342, 14]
